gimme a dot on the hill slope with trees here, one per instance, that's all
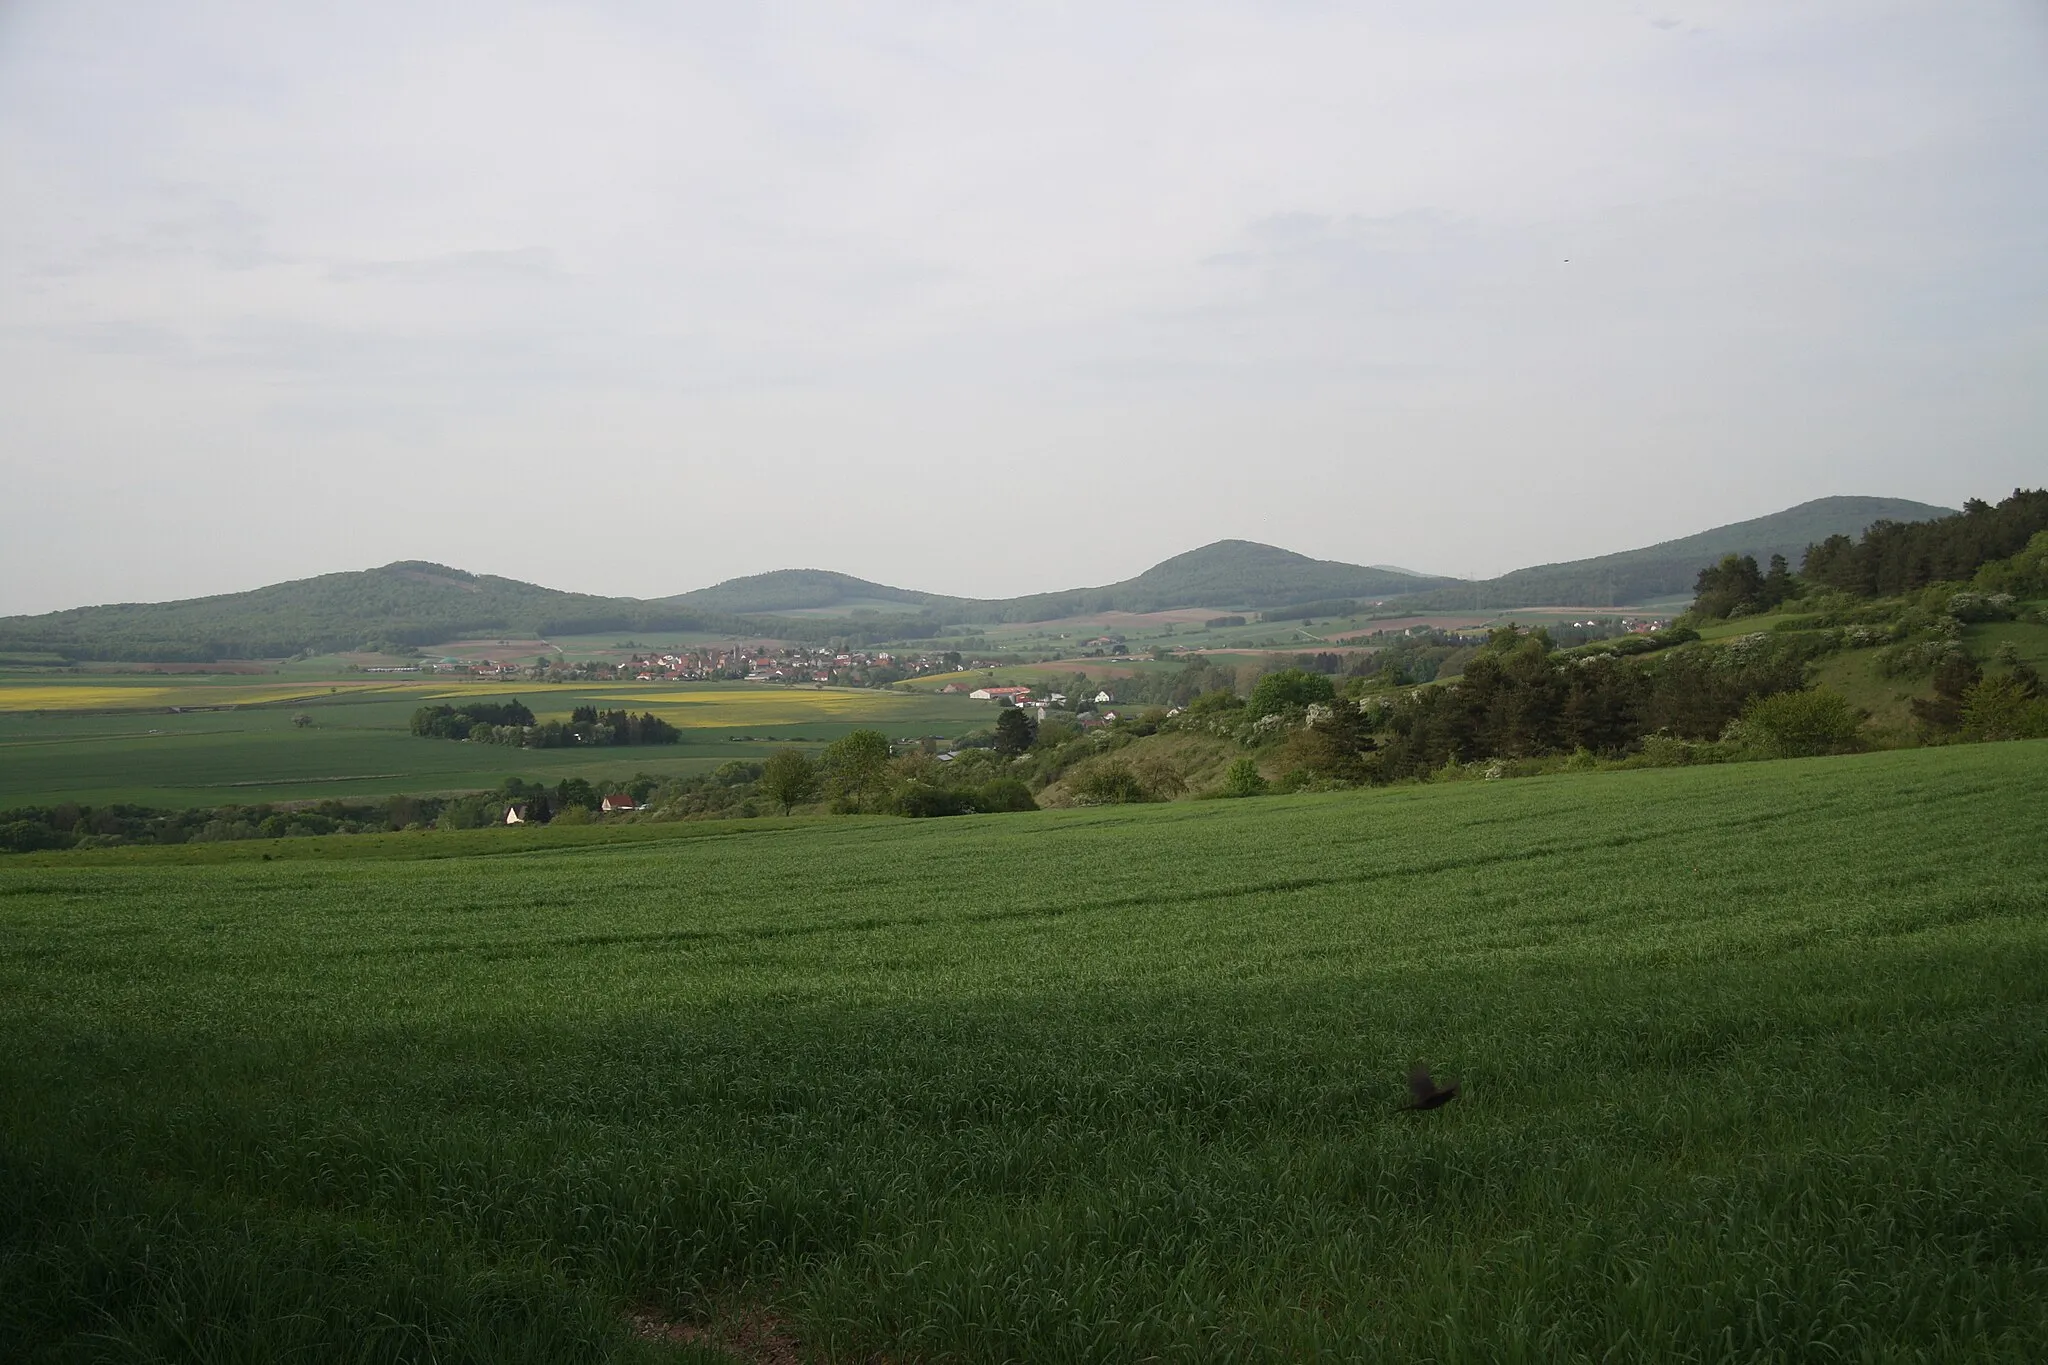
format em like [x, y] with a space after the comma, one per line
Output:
[413, 603]
[407, 603]
[1669, 568]
[805, 590]
[1228, 573]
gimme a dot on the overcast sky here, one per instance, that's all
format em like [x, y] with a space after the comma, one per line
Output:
[633, 297]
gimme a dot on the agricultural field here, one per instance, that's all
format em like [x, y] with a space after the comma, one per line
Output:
[1751, 1059]
[1188, 629]
[107, 739]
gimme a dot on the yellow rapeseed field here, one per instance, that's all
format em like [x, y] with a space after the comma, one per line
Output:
[103, 694]
[688, 706]
[727, 706]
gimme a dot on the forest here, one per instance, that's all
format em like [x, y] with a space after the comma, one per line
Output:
[1894, 558]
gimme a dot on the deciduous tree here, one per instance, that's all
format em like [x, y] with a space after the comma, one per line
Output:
[789, 778]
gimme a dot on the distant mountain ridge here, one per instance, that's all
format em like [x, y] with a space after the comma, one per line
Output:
[1669, 567]
[411, 602]
[416, 603]
[801, 590]
[1227, 573]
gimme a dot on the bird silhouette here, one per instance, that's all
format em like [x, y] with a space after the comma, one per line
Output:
[1428, 1094]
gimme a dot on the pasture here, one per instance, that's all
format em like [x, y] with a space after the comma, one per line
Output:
[199, 742]
[1752, 1059]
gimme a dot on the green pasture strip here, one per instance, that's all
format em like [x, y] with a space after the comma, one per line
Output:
[1752, 1058]
[359, 744]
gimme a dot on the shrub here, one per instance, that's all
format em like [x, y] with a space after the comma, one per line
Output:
[1243, 779]
[1004, 794]
[1111, 783]
[922, 800]
[27, 836]
[2003, 708]
[1803, 724]
[1664, 750]
[1977, 606]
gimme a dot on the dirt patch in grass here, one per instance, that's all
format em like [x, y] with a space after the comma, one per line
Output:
[757, 1337]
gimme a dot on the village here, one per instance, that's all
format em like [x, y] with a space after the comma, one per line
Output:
[761, 662]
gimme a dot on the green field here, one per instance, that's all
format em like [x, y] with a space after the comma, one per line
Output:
[1753, 1058]
[105, 739]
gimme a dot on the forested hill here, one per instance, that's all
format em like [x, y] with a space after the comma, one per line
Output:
[414, 603]
[1229, 573]
[409, 603]
[1669, 568]
[806, 590]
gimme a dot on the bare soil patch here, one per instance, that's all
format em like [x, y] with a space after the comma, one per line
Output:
[756, 1337]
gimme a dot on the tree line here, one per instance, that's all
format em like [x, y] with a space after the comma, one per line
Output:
[1895, 558]
[514, 724]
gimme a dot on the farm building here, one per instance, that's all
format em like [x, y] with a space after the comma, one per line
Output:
[619, 801]
[1000, 693]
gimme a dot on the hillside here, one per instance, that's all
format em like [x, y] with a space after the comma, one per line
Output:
[804, 590]
[411, 603]
[1229, 573]
[417, 603]
[1669, 567]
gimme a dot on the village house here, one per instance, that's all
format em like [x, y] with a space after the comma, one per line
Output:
[618, 801]
[1012, 694]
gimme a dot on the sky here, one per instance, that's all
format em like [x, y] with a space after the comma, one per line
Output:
[631, 298]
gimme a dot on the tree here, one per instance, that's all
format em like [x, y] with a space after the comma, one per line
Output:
[1778, 585]
[789, 777]
[1015, 732]
[858, 763]
[1955, 674]
[1730, 588]
[1289, 688]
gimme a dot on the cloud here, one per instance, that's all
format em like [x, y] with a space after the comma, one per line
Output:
[888, 265]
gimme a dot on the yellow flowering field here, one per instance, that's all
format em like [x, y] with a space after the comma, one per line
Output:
[112, 694]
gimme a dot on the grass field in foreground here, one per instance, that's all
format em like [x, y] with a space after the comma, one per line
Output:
[1753, 1059]
[98, 740]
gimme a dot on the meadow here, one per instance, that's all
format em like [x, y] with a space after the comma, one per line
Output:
[110, 739]
[1752, 1059]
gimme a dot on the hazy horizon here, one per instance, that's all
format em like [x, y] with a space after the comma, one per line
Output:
[630, 302]
[939, 589]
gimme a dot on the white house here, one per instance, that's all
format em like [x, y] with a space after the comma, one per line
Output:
[1103, 696]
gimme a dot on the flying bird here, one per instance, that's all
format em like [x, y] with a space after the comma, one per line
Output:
[1428, 1094]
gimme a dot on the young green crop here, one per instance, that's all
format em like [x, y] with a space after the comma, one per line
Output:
[1751, 1060]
